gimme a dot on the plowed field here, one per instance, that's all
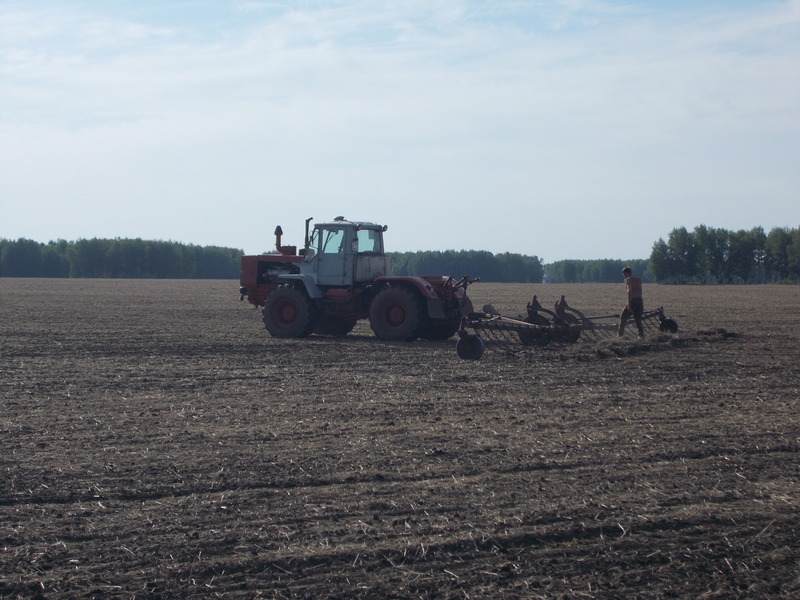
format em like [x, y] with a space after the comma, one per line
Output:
[155, 442]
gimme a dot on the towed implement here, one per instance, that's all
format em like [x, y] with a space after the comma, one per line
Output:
[541, 326]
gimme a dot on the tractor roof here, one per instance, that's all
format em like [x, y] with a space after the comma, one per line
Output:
[342, 222]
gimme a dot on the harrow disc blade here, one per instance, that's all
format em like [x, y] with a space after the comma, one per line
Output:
[668, 326]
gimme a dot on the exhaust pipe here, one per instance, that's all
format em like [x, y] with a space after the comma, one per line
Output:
[308, 220]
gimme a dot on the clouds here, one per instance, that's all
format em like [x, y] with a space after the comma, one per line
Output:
[428, 116]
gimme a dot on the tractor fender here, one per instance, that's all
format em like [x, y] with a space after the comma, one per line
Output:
[307, 281]
[425, 289]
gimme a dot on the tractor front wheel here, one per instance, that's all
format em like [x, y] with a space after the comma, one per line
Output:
[396, 314]
[289, 313]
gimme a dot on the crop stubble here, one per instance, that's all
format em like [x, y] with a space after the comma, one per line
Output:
[157, 443]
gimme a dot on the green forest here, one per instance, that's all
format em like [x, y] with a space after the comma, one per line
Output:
[703, 255]
[505, 267]
[709, 255]
[136, 258]
[604, 270]
[123, 258]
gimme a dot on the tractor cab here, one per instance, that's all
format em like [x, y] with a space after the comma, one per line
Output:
[344, 253]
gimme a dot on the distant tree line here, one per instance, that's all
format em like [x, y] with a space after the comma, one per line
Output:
[125, 258]
[595, 271]
[704, 255]
[710, 255]
[505, 267]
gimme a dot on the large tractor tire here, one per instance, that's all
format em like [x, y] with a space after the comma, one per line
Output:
[397, 314]
[289, 313]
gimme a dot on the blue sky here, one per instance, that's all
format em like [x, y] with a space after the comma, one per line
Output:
[562, 129]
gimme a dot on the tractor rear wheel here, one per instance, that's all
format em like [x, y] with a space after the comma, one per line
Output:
[289, 313]
[396, 314]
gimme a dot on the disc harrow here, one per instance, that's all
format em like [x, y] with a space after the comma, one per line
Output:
[542, 327]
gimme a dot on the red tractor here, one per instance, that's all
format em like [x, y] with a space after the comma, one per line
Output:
[340, 277]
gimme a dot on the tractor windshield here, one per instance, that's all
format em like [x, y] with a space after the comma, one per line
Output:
[333, 242]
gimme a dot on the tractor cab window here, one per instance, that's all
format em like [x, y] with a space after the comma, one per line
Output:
[369, 240]
[333, 242]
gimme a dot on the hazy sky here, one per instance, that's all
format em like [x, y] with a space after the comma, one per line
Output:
[562, 129]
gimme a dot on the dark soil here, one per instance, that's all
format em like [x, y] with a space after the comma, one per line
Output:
[157, 443]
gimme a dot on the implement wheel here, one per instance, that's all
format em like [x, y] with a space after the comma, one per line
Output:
[289, 313]
[470, 347]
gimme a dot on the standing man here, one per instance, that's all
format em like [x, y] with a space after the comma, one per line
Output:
[635, 307]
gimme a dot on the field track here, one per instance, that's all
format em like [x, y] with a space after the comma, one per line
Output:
[157, 443]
